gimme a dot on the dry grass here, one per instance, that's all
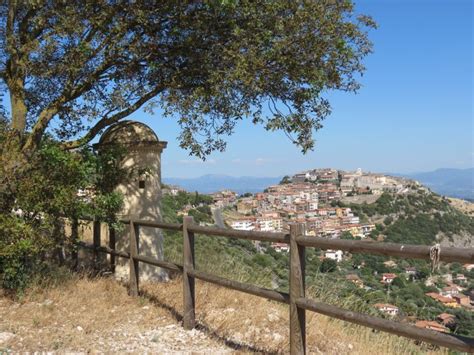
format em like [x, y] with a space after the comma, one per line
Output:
[462, 205]
[90, 315]
[263, 325]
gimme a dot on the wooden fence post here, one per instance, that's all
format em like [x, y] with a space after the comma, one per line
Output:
[189, 301]
[96, 243]
[112, 246]
[75, 240]
[134, 271]
[297, 290]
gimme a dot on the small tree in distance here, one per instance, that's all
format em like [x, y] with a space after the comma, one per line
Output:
[285, 180]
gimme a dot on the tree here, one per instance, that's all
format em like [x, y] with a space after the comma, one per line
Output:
[285, 180]
[347, 235]
[328, 265]
[76, 67]
[72, 68]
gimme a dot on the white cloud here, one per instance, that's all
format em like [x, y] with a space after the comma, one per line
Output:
[263, 161]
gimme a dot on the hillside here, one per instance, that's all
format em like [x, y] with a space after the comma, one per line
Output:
[47, 319]
[417, 218]
[449, 182]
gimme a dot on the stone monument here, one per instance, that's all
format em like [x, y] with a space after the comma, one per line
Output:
[141, 191]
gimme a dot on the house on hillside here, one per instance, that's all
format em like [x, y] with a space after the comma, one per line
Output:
[446, 319]
[449, 291]
[389, 309]
[468, 267]
[447, 301]
[432, 325]
[281, 247]
[247, 224]
[462, 300]
[388, 278]
[461, 278]
[333, 254]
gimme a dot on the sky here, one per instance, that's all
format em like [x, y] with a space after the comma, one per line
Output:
[412, 114]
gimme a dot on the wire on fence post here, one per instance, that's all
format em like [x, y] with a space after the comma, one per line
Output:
[134, 272]
[189, 301]
[297, 269]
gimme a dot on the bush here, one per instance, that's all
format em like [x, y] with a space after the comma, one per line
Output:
[54, 184]
[328, 265]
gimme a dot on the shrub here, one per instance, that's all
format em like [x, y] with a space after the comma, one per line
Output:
[54, 184]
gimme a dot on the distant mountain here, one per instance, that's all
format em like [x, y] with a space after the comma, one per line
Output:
[212, 183]
[449, 182]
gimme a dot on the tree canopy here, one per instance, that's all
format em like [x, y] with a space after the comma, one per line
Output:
[72, 68]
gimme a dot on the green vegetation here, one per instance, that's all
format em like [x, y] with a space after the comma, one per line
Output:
[416, 218]
[285, 180]
[56, 185]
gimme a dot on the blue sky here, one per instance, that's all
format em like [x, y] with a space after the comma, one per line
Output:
[413, 113]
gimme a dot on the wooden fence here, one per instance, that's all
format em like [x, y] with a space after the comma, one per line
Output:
[296, 299]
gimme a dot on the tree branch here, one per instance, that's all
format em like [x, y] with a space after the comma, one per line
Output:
[107, 121]
[69, 94]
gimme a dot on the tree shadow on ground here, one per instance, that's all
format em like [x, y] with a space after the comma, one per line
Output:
[203, 327]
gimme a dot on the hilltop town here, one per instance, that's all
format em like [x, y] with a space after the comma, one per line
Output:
[359, 205]
[312, 197]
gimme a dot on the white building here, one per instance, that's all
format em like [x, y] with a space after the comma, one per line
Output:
[334, 255]
[243, 225]
[387, 308]
[268, 224]
[281, 247]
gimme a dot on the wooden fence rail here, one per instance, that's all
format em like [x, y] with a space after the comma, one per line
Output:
[296, 299]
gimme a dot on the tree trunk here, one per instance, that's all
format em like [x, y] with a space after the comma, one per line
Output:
[18, 106]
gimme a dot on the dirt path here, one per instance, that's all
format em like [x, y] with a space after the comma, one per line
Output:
[80, 318]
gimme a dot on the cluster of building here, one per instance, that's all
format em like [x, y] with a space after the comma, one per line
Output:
[451, 296]
[353, 182]
[280, 205]
[224, 198]
[307, 198]
[455, 295]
